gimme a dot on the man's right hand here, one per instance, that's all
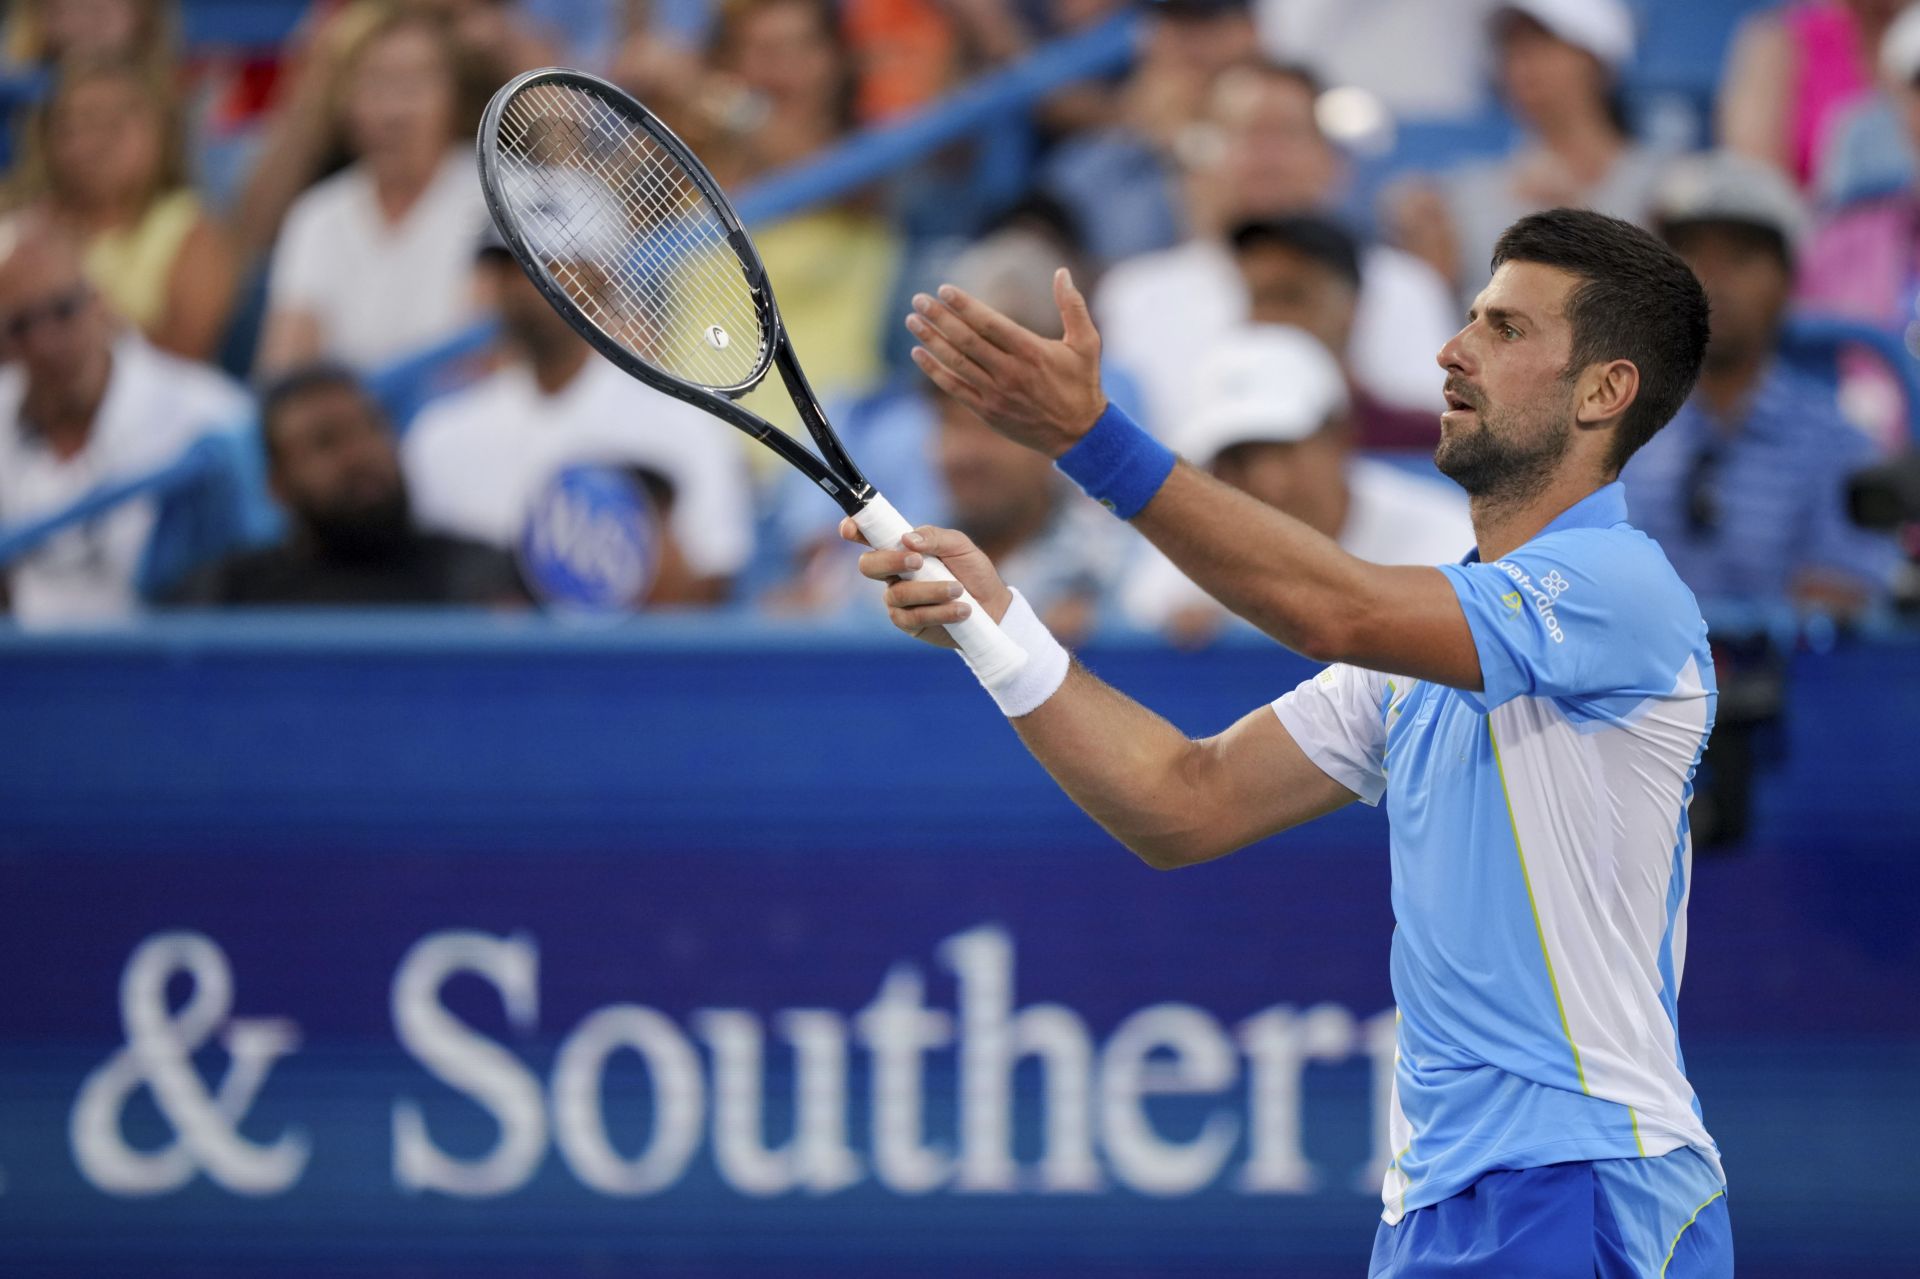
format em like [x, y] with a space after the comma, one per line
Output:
[922, 609]
[1037, 392]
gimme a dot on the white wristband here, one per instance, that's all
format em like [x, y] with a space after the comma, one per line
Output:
[1022, 692]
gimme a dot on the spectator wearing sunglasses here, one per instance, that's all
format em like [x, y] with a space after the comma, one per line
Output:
[84, 403]
[1746, 488]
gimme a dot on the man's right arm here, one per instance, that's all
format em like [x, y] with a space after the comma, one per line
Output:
[1172, 800]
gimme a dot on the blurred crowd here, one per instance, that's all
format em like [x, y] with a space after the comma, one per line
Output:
[246, 251]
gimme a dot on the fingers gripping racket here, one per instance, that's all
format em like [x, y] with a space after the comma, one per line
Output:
[633, 242]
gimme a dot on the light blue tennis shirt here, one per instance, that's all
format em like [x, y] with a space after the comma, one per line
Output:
[1541, 857]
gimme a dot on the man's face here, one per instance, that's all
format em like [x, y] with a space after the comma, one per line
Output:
[1747, 283]
[1509, 419]
[1276, 160]
[1304, 478]
[51, 321]
[335, 467]
[1286, 286]
[996, 485]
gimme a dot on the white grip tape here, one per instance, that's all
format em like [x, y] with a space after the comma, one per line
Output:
[995, 659]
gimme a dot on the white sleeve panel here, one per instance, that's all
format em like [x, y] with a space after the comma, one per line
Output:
[1338, 719]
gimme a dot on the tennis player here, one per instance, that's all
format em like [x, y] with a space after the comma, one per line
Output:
[1532, 716]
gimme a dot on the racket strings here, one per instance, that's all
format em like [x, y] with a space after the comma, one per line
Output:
[629, 236]
[655, 267]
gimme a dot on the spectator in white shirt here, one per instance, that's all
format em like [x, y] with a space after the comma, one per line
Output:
[478, 459]
[82, 404]
[1271, 418]
[1263, 155]
[374, 263]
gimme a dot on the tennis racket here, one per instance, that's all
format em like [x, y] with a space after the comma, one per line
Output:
[632, 240]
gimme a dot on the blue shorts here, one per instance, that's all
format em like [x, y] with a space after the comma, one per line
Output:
[1658, 1218]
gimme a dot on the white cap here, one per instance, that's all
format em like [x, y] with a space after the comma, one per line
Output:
[1266, 383]
[1900, 47]
[1722, 186]
[1603, 28]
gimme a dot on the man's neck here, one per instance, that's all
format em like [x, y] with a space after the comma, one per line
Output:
[1502, 525]
[1727, 381]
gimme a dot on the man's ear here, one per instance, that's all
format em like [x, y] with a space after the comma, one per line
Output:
[1605, 392]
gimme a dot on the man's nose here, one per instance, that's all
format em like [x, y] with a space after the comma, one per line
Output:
[1453, 356]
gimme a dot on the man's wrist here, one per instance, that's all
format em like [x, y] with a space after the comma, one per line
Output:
[1070, 438]
[1047, 661]
[1118, 464]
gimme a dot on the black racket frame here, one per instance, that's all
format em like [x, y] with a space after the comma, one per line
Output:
[832, 469]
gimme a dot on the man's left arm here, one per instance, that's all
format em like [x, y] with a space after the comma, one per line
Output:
[1293, 582]
[1300, 587]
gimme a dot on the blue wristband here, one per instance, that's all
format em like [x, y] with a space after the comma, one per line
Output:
[1117, 464]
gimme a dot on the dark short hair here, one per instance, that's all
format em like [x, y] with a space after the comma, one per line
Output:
[1321, 239]
[1636, 301]
[296, 383]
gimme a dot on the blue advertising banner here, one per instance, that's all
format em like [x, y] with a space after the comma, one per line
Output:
[495, 949]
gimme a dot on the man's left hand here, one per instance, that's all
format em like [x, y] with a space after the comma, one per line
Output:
[1041, 393]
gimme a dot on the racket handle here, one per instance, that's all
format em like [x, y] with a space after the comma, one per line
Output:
[995, 659]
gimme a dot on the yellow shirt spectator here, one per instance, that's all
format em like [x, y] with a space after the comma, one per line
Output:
[832, 273]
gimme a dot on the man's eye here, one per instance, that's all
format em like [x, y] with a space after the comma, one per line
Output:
[1508, 332]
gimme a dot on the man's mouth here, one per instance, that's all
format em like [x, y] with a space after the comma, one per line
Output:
[1457, 403]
